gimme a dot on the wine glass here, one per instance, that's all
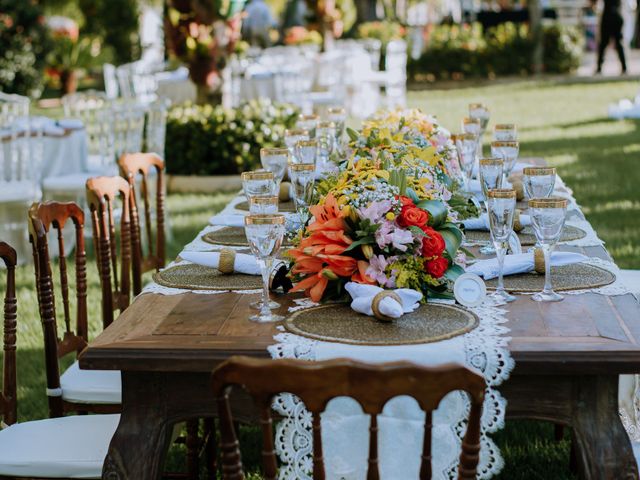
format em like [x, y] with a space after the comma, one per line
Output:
[265, 234]
[482, 114]
[491, 174]
[505, 132]
[306, 152]
[466, 147]
[338, 116]
[547, 218]
[302, 177]
[263, 205]
[326, 137]
[508, 151]
[293, 136]
[539, 182]
[308, 123]
[501, 206]
[258, 184]
[275, 160]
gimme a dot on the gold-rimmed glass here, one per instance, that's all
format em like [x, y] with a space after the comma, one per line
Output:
[481, 113]
[293, 136]
[326, 137]
[308, 123]
[265, 234]
[275, 160]
[258, 184]
[547, 217]
[263, 205]
[466, 148]
[306, 152]
[501, 207]
[474, 127]
[302, 176]
[539, 182]
[508, 151]
[505, 132]
[490, 173]
[338, 115]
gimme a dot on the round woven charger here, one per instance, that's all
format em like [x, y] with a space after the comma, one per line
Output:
[230, 236]
[287, 206]
[339, 323]
[578, 276]
[197, 277]
[526, 236]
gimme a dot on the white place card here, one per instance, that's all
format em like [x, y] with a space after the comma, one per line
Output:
[469, 290]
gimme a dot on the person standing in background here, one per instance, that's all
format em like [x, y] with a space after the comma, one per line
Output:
[611, 24]
[257, 23]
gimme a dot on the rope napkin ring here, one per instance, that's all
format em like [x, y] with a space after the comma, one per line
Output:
[517, 225]
[538, 260]
[284, 194]
[375, 304]
[226, 264]
[519, 188]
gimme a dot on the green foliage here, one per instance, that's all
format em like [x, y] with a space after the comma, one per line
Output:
[208, 140]
[24, 44]
[466, 51]
[384, 31]
[69, 54]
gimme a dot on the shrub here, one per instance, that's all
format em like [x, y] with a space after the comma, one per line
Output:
[385, 31]
[211, 140]
[24, 44]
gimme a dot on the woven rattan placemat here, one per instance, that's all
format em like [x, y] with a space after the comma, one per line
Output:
[196, 277]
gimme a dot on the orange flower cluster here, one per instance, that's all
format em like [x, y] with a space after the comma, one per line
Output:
[319, 257]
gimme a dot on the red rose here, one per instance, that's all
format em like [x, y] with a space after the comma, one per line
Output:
[437, 267]
[412, 215]
[432, 243]
[405, 201]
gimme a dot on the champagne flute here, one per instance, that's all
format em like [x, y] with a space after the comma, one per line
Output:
[302, 177]
[308, 123]
[293, 136]
[326, 137]
[482, 114]
[275, 160]
[473, 127]
[338, 116]
[505, 132]
[501, 206]
[466, 147]
[539, 182]
[491, 174]
[508, 151]
[258, 184]
[263, 205]
[547, 217]
[306, 152]
[265, 234]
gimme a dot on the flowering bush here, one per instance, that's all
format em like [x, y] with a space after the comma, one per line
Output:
[384, 31]
[212, 140]
[301, 36]
[385, 217]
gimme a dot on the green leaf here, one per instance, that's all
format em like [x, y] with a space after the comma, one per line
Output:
[412, 195]
[362, 241]
[454, 272]
[353, 135]
[174, 16]
[452, 239]
[417, 231]
[437, 211]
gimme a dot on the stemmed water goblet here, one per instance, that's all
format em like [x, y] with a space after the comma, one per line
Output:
[501, 207]
[466, 147]
[491, 174]
[258, 184]
[538, 182]
[275, 160]
[482, 114]
[505, 132]
[293, 136]
[265, 234]
[473, 127]
[326, 137]
[507, 151]
[308, 123]
[302, 176]
[306, 152]
[338, 116]
[547, 217]
[263, 205]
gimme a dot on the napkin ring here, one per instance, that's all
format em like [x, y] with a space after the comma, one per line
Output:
[227, 261]
[375, 304]
[519, 188]
[283, 194]
[517, 226]
[538, 260]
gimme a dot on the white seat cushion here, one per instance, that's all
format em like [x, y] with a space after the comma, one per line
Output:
[632, 279]
[91, 386]
[23, 191]
[73, 181]
[67, 447]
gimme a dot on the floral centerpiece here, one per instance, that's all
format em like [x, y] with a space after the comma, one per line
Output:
[385, 217]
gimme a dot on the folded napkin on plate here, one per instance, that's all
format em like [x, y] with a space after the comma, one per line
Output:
[228, 220]
[363, 295]
[482, 222]
[521, 263]
[71, 123]
[243, 263]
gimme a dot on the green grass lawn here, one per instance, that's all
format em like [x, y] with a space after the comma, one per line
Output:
[564, 123]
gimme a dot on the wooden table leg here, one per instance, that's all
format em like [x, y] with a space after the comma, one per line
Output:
[589, 404]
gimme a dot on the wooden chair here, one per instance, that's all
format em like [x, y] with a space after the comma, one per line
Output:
[75, 390]
[318, 382]
[131, 165]
[69, 447]
[101, 196]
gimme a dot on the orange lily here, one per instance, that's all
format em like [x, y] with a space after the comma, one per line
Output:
[327, 217]
[361, 275]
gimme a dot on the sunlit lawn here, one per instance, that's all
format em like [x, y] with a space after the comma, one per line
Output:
[566, 124]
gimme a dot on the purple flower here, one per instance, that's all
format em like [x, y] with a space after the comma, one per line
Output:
[375, 210]
[389, 234]
[376, 270]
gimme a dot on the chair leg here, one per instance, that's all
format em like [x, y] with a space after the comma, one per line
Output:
[192, 444]
[211, 453]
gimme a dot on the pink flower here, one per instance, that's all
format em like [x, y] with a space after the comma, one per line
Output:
[376, 270]
[389, 234]
[375, 210]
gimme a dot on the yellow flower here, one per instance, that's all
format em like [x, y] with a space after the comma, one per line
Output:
[390, 216]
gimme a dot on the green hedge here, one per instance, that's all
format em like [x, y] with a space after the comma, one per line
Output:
[466, 51]
[208, 140]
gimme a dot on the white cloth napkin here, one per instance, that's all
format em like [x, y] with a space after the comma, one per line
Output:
[482, 222]
[362, 296]
[244, 263]
[228, 219]
[71, 123]
[521, 263]
[53, 131]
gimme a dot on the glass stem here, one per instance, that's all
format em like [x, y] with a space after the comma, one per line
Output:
[546, 250]
[500, 252]
[266, 271]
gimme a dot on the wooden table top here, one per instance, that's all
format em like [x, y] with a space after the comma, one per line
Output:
[584, 334]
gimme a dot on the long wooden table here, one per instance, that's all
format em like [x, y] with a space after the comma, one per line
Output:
[568, 357]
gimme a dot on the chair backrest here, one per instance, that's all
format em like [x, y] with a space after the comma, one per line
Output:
[42, 218]
[315, 383]
[8, 397]
[20, 143]
[156, 128]
[110, 80]
[132, 165]
[127, 120]
[102, 193]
